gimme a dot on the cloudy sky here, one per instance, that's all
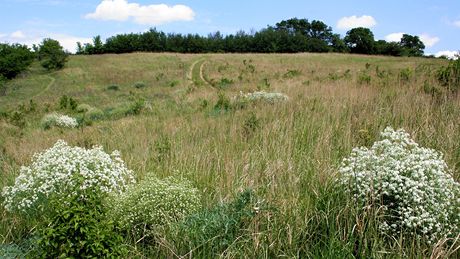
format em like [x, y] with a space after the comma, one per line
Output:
[437, 23]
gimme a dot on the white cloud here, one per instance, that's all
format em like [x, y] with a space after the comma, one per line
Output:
[428, 40]
[69, 42]
[18, 35]
[448, 53]
[394, 37]
[456, 23]
[346, 23]
[121, 10]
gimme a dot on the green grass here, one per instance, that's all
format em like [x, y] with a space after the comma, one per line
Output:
[290, 159]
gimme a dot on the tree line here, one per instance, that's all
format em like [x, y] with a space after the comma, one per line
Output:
[288, 36]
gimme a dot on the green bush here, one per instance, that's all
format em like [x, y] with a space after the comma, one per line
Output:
[139, 85]
[94, 114]
[113, 87]
[51, 54]
[212, 230]
[153, 204]
[449, 76]
[82, 108]
[79, 229]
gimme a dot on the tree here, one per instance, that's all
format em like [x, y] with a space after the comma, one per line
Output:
[51, 54]
[14, 59]
[412, 46]
[360, 40]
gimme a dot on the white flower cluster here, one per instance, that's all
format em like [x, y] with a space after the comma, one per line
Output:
[58, 120]
[61, 170]
[154, 202]
[263, 96]
[410, 183]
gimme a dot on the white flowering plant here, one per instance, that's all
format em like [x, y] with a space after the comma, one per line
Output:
[154, 203]
[262, 96]
[63, 171]
[58, 120]
[410, 185]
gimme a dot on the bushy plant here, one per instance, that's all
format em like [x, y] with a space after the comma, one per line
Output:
[261, 96]
[82, 108]
[57, 172]
[212, 230]
[51, 54]
[94, 114]
[154, 203]
[78, 228]
[58, 120]
[410, 185]
[139, 85]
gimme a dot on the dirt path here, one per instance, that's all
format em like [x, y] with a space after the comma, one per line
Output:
[47, 87]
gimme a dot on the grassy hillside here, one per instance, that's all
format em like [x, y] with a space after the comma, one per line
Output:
[287, 152]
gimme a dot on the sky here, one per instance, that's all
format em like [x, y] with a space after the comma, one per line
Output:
[437, 23]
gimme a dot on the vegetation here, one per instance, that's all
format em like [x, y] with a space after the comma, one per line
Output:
[265, 178]
[14, 59]
[288, 36]
[51, 54]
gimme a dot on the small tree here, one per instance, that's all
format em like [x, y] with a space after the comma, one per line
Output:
[51, 54]
[412, 46]
[14, 59]
[360, 40]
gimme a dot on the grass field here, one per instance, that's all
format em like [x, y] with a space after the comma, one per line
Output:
[287, 152]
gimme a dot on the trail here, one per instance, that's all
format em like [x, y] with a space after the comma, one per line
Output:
[47, 87]
[195, 74]
[202, 75]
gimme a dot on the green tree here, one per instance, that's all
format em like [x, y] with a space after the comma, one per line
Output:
[14, 59]
[412, 46]
[360, 40]
[51, 54]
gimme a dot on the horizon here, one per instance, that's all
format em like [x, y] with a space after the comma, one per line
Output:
[30, 21]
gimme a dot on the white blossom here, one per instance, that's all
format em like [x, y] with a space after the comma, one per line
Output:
[411, 183]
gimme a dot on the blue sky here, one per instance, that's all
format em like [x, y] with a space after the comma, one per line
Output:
[28, 21]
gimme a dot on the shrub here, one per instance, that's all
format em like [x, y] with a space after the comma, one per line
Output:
[223, 103]
[51, 54]
[66, 102]
[261, 96]
[14, 59]
[449, 76]
[57, 172]
[78, 228]
[139, 85]
[154, 203]
[113, 87]
[364, 78]
[82, 108]
[409, 184]
[94, 114]
[58, 120]
[214, 229]
[292, 73]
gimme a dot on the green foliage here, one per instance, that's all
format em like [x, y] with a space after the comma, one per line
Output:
[78, 228]
[405, 75]
[139, 85]
[223, 103]
[51, 54]
[250, 125]
[412, 46]
[360, 40]
[152, 204]
[364, 78]
[14, 59]
[66, 102]
[292, 73]
[113, 87]
[162, 148]
[449, 76]
[212, 230]
[224, 83]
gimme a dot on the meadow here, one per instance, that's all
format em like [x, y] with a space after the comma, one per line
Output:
[179, 115]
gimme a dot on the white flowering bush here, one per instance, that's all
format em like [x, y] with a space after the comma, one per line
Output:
[410, 184]
[60, 171]
[155, 203]
[58, 120]
[262, 96]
